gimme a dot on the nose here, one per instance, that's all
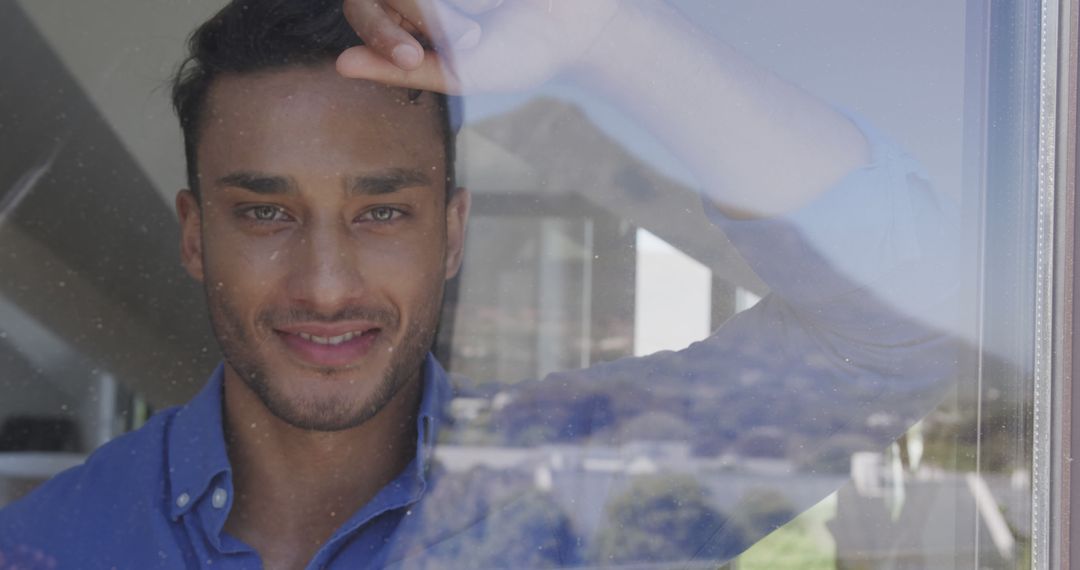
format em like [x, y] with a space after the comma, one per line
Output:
[325, 274]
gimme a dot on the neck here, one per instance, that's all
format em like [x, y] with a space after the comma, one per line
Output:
[294, 487]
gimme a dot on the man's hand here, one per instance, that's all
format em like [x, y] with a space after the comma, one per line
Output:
[471, 46]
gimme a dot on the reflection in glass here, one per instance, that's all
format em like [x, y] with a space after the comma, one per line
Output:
[828, 412]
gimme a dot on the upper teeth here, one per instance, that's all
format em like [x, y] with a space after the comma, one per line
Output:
[328, 339]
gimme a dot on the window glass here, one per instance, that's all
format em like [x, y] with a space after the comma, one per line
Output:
[764, 297]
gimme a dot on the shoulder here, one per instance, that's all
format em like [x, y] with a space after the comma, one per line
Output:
[122, 483]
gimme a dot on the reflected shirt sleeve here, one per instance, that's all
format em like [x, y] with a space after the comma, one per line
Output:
[860, 321]
[865, 278]
[881, 229]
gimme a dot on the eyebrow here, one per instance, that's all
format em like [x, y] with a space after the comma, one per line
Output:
[386, 181]
[259, 183]
[373, 184]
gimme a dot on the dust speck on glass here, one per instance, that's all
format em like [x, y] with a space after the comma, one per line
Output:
[518, 284]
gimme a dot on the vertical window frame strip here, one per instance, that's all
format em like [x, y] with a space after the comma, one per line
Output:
[1054, 239]
[1068, 534]
[1042, 413]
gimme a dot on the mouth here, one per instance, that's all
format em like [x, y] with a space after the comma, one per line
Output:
[329, 349]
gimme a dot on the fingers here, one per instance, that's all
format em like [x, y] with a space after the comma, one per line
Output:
[440, 23]
[432, 74]
[392, 28]
[381, 30]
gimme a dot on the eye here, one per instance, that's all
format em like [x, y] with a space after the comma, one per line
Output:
[382, 214]
[266, 213]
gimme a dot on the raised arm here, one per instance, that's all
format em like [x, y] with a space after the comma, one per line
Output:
[759, 145]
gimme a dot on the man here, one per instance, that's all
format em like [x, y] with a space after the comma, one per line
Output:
[323, 220]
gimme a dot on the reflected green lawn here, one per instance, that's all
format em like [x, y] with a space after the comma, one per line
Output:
[803, 544]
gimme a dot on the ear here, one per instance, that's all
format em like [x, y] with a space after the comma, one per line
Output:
[457, 215]
[190, 214]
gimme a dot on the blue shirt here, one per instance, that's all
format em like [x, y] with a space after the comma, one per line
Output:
[159, 497]
[858, 317]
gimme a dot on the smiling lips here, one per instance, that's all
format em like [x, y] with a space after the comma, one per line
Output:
[323, 346]
[334, 340]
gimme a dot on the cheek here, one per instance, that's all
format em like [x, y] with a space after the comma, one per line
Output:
[410, 265]
[413, 267]
[243, 267]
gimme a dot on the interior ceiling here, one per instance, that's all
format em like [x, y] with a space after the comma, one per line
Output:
[121, 53]
[87, 251]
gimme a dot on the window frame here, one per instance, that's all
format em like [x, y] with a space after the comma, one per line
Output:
[1066, 535]
[1060, 155]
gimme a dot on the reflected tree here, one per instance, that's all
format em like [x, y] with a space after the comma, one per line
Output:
[761, 511]
[533, 532]
[665, 518]
[490, 519]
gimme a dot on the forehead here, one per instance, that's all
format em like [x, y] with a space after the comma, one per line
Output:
[308, 118]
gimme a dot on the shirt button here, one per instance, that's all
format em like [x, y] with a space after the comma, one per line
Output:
[219, 497]
[183, 500]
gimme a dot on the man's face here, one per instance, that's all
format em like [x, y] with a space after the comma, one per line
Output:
[323, 238]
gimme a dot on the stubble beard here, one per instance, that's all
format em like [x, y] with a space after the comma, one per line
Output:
[323, 414]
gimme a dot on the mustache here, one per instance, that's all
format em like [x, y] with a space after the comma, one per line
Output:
[273, 318]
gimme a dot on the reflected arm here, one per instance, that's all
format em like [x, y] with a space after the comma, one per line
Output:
[759, 145]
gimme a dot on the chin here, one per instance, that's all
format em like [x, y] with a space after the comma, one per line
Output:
[329, 401]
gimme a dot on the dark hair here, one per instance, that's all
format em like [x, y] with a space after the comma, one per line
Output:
[248, 36]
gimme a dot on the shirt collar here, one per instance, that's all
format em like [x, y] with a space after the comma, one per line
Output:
[433, 405]
[196, 446]
[196, 438]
